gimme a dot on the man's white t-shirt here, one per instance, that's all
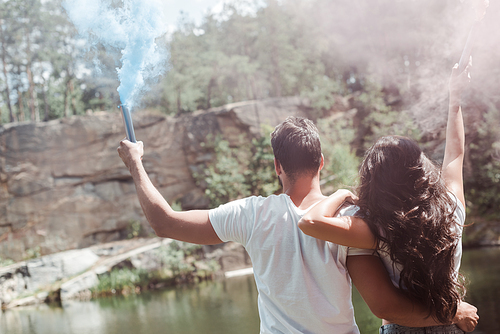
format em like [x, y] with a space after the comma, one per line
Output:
[302, 281]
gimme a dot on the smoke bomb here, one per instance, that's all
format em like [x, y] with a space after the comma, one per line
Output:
[127, 121]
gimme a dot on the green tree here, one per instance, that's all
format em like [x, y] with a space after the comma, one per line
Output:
[39, 51]
[341, 163]
[5, 40]
[482, 179]
[241, 171]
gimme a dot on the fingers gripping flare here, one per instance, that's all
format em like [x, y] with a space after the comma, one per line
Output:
[130, 153]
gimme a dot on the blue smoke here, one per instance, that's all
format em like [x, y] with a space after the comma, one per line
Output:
[131, 26]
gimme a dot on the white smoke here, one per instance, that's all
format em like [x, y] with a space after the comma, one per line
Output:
[131, 26]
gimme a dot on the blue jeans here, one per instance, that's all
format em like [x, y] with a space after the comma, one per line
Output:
[397, 329]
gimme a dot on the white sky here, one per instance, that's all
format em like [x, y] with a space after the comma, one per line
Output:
[195, 9]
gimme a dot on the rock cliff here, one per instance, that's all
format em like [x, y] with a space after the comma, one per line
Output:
[63, 186]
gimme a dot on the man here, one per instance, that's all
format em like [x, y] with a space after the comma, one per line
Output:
[302, 282]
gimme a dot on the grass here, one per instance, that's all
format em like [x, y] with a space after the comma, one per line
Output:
[181, 263]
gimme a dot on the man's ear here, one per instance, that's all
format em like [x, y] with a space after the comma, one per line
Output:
[277, 167]
[322, 163]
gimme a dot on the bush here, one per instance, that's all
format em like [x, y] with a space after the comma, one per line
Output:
[134, 229]
[180, 264]
[482, 183]
[123, 280]
[6, 262]
[173, 257]
[341, 162]
[242, 171]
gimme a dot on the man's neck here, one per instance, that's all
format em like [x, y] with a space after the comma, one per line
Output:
[304, 192]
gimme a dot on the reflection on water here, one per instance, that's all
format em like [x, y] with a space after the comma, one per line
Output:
[481, 267]
[228, 306]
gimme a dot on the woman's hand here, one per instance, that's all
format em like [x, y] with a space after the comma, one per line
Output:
[466, 318]
[347, 195]
[343, 196]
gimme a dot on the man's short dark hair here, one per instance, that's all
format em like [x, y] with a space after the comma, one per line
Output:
[297, 147]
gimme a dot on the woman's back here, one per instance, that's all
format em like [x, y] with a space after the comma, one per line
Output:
[408, 208]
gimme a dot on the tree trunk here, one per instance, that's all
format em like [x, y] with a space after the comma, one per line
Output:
[66, 99]
[275, 64]
[211, 83]
[20, 105]
[46, 104]
[275, 72]
[37, 109]
[178, 100]
[72, 94]
[29, 73]
[252, 94]
[31, 93]
[4, 63]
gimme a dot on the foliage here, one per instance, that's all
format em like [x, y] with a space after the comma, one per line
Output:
[6, 262]
[322, 93]
[261, 174]
[241, 171]
[134, 229]
[39, 50]
[180, 263]
[120, 280]
[225, 179]
[482, 181]
[173, 257]
[374, 118]
[341, 163]
[243, 57]
[346, 136]
[176, 206]
[32, 253]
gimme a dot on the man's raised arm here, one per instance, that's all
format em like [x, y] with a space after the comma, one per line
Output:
[190, 226]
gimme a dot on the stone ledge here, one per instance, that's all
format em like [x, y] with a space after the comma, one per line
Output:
[28, 277]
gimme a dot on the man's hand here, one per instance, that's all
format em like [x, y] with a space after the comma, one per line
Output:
[130, 152]
[466, 317]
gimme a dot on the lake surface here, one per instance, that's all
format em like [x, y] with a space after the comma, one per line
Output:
[227, 306]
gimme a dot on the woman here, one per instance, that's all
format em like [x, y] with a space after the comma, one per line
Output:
[412, 212]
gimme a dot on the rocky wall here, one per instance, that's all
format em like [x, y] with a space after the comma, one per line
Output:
[63, 185]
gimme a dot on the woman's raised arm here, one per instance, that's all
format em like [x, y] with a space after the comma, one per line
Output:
[452, 169]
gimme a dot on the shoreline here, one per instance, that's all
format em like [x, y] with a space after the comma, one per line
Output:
[137, 265]
[123, 267]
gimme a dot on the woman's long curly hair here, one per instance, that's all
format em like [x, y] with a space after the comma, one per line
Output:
[407, 206]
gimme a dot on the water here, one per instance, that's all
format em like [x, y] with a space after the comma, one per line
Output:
[228, 306]
[482, 269]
